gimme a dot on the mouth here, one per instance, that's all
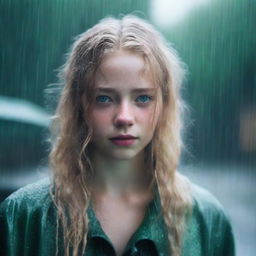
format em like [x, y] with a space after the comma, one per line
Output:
[123, 137]
[123, 140]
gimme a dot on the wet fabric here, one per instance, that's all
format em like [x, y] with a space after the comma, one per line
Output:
[28, 227]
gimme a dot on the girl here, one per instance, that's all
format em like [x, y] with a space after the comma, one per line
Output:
[115, 188]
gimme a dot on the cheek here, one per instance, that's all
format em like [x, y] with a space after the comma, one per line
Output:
[146, 118]
[151, 118]
[99, 121]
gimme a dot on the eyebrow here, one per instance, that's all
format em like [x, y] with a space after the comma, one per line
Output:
[135, 90]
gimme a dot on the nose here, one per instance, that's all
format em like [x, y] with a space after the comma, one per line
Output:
[124, 116]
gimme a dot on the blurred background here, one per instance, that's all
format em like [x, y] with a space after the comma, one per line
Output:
[215, 38]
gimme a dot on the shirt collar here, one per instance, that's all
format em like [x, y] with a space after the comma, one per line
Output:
[152, 228]
[95, 229]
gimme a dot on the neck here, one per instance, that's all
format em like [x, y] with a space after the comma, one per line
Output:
[117, 176]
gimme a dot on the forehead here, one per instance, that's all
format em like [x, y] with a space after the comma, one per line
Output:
[125, 69]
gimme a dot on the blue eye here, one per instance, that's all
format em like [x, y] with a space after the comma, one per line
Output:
[144, 98]
[103, 99]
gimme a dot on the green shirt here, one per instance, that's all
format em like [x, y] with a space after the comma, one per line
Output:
[28, 227]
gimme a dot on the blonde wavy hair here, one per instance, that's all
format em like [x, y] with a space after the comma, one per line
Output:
[69, 158]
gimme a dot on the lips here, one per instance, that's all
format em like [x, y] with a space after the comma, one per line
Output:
[123, 140]
[123, 137]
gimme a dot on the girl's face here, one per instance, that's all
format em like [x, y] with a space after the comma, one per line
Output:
[122, 113]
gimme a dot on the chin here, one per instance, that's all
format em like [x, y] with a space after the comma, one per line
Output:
[124, 154]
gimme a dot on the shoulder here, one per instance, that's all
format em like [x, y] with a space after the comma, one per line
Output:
[24, 216]
[210, 220]
[204, 201]
[208, 209]
[29, 197]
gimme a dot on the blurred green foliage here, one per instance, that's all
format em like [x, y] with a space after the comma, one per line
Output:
[217, 42]
[35, 35]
